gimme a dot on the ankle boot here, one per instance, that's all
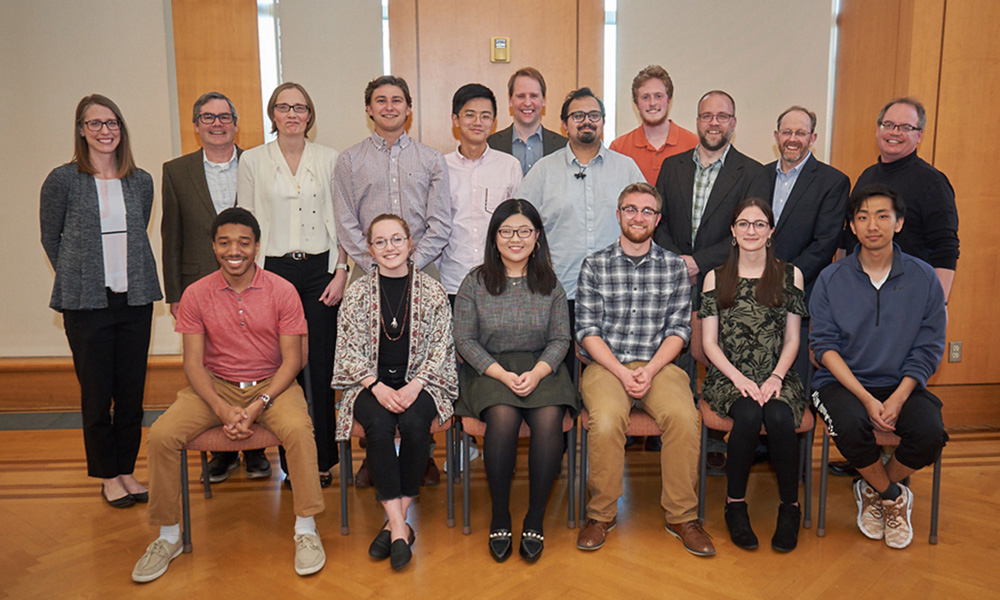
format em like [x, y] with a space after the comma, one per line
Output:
[738, 523]
[786, 534]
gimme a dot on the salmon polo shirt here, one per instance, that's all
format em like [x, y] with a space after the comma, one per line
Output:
[649, 159]
[242, 329]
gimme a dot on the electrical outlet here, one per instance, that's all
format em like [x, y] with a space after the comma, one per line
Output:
[954, 352]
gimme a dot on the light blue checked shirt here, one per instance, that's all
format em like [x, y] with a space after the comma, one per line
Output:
[704, 181]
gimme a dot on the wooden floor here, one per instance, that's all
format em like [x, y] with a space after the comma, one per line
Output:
[59, 540]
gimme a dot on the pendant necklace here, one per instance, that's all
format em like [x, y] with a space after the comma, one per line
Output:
[394, 324]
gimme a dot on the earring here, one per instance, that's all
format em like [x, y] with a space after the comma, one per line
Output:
[768, 244]
[734, 241]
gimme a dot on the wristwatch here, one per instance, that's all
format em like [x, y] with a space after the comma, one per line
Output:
[266, 400]
[344, 267]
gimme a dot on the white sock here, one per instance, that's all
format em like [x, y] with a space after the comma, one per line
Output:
[304, 525]
[171, 533]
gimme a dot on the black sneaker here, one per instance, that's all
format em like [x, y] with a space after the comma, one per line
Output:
[257, 465]
[221, 464]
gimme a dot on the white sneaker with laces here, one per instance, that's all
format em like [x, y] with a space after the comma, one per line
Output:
[898, 530]
[309, 554]
[870, 520]
[156, 560]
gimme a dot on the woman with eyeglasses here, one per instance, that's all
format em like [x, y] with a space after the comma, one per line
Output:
[751, 311]
[288, 185]
[512, 331]
[94, 213]
[396, 365]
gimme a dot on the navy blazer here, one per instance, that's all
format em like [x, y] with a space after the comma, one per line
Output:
[809, 228]
[676, 185]
[70, 220]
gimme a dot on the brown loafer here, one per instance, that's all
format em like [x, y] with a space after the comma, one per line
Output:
[592, 536]
[695, 539]
[431, 476]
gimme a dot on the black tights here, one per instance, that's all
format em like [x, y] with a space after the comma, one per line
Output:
[500, 455]
[782, 445]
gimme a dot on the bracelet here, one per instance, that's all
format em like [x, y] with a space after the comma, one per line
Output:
[369, 387]
[780, 378]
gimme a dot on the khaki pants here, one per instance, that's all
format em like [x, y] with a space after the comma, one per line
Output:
[671, 405]
[189, 416]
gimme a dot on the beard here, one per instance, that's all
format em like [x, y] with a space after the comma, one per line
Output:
[587, 136]
[793, 156]
[637, 237]
[657, 122]
[723, 140]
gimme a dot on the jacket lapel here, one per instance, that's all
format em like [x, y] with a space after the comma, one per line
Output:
[196, 174]
[802, 183]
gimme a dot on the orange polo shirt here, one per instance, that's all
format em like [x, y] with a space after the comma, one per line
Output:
[650, 159]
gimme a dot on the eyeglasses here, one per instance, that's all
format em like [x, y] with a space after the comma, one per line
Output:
[396, 241]
[96, 124]
[722, 118]
[631, 211]
[209, 118]
[759, 226]
[789, 133]
[471, 115]
[901, 127]
[593, 116]
[300, 109]
[522, 232]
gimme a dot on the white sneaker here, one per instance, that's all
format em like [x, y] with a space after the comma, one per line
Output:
[309, 554]
[473, 455]
[898, 531]
[156, 560]
[870, 519]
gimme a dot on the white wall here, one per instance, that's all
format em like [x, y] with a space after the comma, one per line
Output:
[767, 55]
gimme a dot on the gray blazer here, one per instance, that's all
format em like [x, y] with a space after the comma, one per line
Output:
[71, 235]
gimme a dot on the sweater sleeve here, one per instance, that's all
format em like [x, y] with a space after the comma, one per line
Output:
[928, 347]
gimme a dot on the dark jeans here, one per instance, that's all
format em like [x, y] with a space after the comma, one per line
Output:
[919, 426]
[310, 277]
[396, 476]
[110, 346]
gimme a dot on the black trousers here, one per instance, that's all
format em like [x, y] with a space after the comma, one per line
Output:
[310, 277]
[110, 346]
[919, 426]
[392, 475]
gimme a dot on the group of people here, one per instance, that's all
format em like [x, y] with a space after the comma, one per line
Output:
[478, 278]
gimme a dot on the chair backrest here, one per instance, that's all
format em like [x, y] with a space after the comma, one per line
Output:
[215, 440]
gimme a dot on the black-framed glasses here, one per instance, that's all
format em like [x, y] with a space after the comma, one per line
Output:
[593, 116]
[521, 232]
[722, 118]
[743, 225]
[208, 118]
[96, 124]
[300, 109]
[901, 127]
[631, 211]
[396, 241]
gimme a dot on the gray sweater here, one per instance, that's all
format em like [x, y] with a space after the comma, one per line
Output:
[71, 235]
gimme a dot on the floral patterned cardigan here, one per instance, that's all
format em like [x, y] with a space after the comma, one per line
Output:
[432, 346]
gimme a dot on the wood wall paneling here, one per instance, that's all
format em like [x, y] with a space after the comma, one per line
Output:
[439, 46]
[215, 49]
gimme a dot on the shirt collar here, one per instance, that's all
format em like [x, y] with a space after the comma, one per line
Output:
[225, 165]
[722, 159]
[655, 252]
[572, 162]
[537, 135]
[222, 284]
[469, 161]
[380, 142]
[796, 169]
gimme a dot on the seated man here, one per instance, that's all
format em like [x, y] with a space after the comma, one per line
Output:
[632, 318]
[878, 328]
[243, 329]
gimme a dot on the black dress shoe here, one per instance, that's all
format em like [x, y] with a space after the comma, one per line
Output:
[501, 544]
[141, 497]
[325, 479]
[221, 464]
[381, 546]
[532, 544]
[124, 502]
[258, 467]
[400, 554]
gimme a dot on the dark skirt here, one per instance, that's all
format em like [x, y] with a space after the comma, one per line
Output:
[479, 392]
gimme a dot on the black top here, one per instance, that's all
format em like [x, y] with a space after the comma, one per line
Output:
[395, 304]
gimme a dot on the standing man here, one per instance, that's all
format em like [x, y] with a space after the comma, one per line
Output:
[658, 137]
[632, 319]
[390, 172]
[809, 200]
[574, 189]
[196, 188]
[480, 179]
[931, 231]
[878, 329]
[526, 139]
[242, 329]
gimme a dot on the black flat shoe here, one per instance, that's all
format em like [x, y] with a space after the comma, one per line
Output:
[738, 523]
[532, 544]
[124, 502]
[325, 479]
[400, 554]
[501, 544]
[141, 497]
[381, 546]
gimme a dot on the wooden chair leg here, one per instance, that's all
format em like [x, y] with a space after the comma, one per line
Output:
[185, 503]
[824, 463]
[345, 470]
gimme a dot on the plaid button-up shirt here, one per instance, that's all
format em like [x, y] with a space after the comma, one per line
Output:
[704, 181]
[633, 307]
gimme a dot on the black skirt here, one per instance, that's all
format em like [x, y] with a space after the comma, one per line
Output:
[479, 392]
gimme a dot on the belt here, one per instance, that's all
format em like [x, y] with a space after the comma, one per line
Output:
[303, 256]
[242, 384]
